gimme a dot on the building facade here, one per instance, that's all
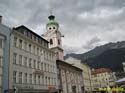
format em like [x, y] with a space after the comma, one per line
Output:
[70, 78]
[53, 35]
[86, 73]
[28, 61]
[2, 39]
[87, 78]
[123, 66]
[32, 63]
[102, 77]
[4, 56]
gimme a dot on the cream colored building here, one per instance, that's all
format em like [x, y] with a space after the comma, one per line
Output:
[123, 66]
[32, 63]
[1, 60]
[102, 77]
[86, 73]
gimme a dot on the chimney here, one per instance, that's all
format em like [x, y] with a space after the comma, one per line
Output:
[0, 19]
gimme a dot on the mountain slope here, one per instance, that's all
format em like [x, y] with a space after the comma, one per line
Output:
[110, 55]
[110, 59]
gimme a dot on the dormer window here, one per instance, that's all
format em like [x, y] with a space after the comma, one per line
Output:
[29, 35]
[51, 41]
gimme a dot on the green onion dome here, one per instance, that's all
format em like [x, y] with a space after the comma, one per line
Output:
[52, 21]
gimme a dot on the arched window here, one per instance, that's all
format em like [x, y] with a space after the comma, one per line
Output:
[51, 41]
[58, 41]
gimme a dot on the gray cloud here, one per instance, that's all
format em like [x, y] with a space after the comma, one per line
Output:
[85, 23]
[92, 43]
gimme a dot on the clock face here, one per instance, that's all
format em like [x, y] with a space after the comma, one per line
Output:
[52, 28]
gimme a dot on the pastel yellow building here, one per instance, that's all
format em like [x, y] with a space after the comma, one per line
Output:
[102, 78]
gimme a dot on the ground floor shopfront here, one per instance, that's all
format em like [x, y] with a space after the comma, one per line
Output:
[31, 91]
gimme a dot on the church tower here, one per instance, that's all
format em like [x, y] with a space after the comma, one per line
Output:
[53, 35]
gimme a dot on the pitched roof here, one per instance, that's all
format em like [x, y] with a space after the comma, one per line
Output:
[24, 27]
[101, 70]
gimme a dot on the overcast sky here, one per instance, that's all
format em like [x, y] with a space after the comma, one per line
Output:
[84, 23]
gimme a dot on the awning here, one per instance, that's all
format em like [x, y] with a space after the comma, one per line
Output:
[121, 80]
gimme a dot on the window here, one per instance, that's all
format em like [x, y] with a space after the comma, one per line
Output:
[30, 61]
[37, 39]
[40, 41]
[14, 76]
[20, 77]
[45, 66]
[25, 61]
[1, 61]
[25, 78]
[37, 51]
[29, 35]
[48, 67]
[29, 47]
[34, 49]
[20, 43]
[30, 79]
[38, 66]
[41, 66]
[15, 41]
[45, 80]
[47, 55]
[34, 63]
[58, 41]
[42, 80]
[25, 33]
[25, 45]
[44, 53]
[34, 79]
[20, 59]
[50, 56]
[51, 41]
[53, 69]
[54, 81]
[45, 44]
[1, 43]
[48, 80]
[39, 80]
[14, 58]
[34, 38]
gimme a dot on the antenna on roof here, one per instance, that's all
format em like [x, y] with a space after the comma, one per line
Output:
[51, 16]
[51, 9]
